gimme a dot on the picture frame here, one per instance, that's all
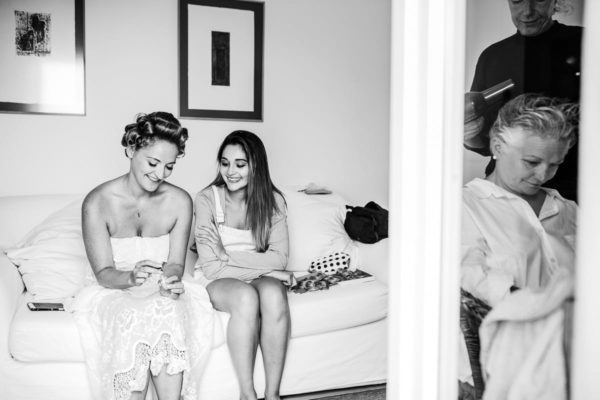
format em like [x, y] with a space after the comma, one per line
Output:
[221, 59]
[42, 56]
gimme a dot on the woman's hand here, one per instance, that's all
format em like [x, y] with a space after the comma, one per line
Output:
[143, 270]
[286, 277]
[210, 236]
[171, 287]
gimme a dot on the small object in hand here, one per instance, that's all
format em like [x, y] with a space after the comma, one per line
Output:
[162, 283]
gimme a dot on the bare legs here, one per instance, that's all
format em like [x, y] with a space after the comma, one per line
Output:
[241, 301]
[259, 312]
[141, 395]
[168, 387]
[274, 332]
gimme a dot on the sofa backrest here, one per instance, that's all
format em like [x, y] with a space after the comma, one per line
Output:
[19, 214]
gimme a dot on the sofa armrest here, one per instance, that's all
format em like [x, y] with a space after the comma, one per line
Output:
[11, 287]
[374, 259]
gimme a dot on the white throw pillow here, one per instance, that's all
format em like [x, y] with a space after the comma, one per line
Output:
[51, 257]
[316, 228]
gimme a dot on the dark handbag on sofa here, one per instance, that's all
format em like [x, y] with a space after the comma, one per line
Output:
[368, 224]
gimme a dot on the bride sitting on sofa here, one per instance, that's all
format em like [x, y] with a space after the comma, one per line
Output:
[139, 323]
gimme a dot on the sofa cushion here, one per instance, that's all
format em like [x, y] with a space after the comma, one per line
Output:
[19, 214]
[51, 257]
[339, 307]
[43, 335]
[37, 336]
[316, 228]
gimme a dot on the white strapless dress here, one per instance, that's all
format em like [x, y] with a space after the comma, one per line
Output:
[125, 332]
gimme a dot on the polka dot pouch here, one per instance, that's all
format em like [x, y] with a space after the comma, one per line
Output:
[331, 263]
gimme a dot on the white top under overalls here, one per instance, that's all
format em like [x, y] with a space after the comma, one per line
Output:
[245, 263]
[233, 239]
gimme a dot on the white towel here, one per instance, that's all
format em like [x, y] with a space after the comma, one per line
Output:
[522, 353]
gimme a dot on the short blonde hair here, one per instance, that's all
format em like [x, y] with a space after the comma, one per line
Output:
[546, 117]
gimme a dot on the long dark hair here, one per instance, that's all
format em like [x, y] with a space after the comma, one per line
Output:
[260, 192]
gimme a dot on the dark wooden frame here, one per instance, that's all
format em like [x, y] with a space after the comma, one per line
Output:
[79, 63]
[258, 9]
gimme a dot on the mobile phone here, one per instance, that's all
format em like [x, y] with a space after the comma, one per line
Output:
[34, 306]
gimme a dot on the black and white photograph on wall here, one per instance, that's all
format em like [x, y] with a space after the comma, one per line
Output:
[42, 60]
[221, 59]
[32, 33]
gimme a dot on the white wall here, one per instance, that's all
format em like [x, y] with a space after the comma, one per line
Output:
[326, 101]
[586, 330]
[488, 21]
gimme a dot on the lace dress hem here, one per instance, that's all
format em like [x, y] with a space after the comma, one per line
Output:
[163, 353]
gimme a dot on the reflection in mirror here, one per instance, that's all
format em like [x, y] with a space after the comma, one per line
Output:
[522, 78]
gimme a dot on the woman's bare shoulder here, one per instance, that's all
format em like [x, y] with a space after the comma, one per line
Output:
[175, 194]
[102, 195]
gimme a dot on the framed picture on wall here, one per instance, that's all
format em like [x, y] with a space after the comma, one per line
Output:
[221, 59]
[42, 66]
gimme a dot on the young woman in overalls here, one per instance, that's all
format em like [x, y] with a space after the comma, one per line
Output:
[242, 242]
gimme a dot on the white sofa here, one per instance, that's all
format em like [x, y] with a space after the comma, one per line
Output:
[338, 335]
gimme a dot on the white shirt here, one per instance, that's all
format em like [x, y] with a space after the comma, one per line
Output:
[504, 243]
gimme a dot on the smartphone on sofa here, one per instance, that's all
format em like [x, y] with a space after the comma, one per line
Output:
[35, 306]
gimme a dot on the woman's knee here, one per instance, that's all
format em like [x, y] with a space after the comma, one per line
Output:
[236, 298]
[246, 302]
[273, 299]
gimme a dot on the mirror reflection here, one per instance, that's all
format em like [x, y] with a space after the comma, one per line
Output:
[522, 84]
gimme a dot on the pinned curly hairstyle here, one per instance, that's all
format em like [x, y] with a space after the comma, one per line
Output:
[149, 128]
[546, 117]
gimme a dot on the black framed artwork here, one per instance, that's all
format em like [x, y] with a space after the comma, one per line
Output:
[221, 59]
[42, 62]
